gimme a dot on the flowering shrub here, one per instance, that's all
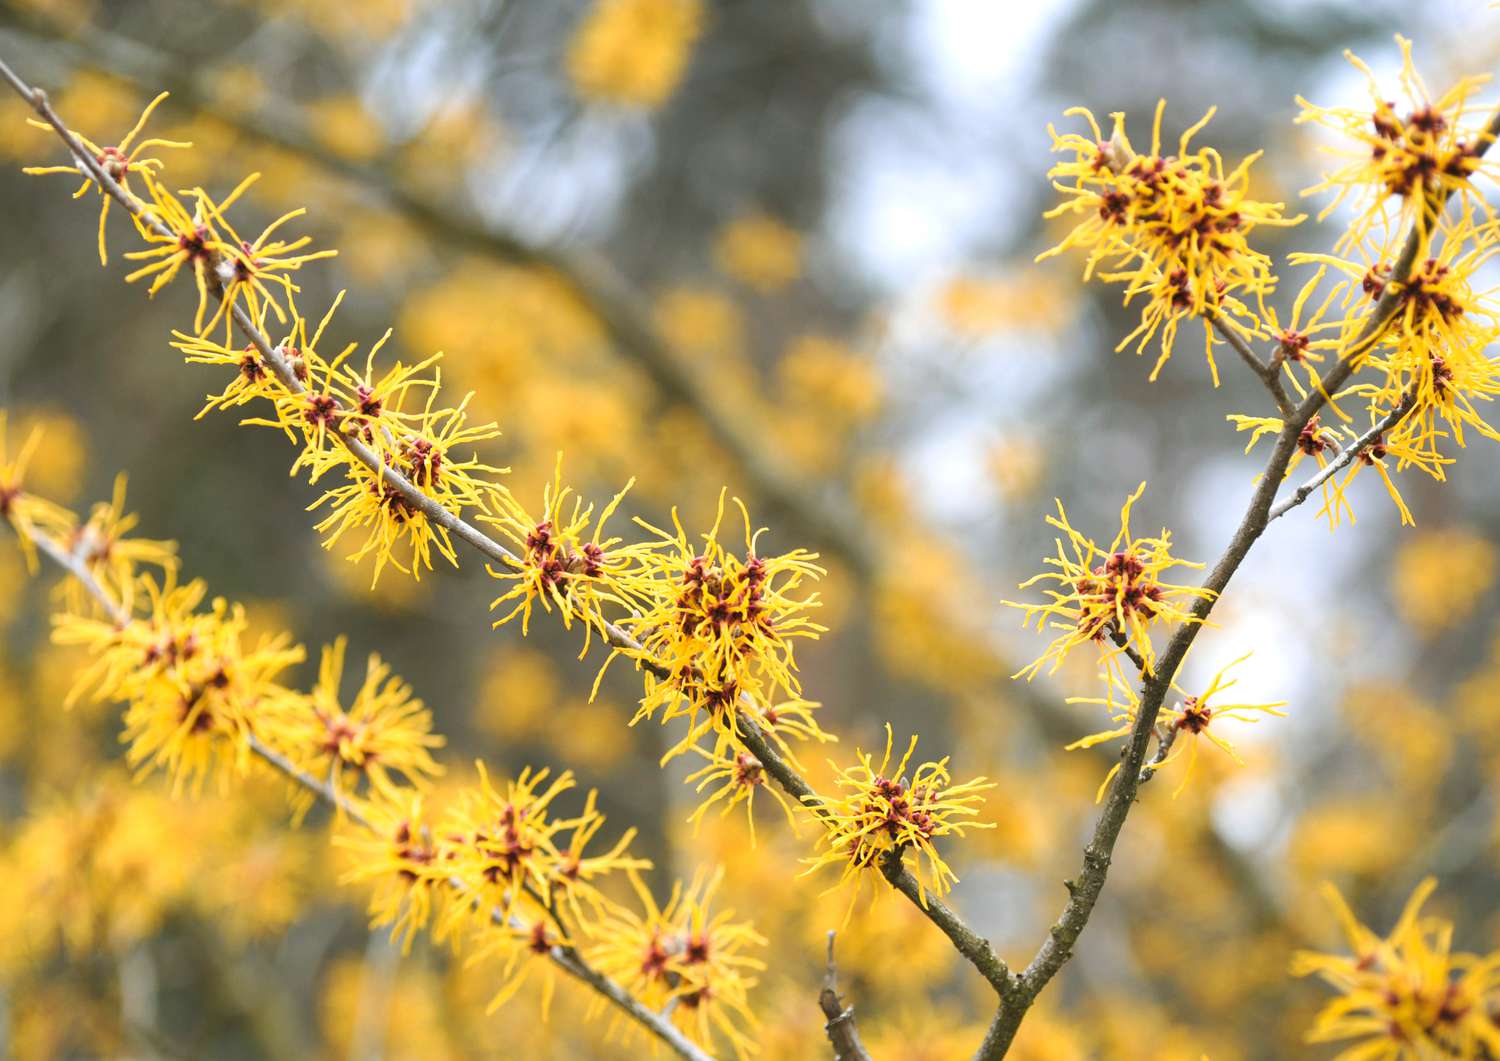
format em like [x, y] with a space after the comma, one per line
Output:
[1382, 361]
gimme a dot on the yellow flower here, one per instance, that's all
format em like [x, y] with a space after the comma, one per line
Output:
[1173, 228]
[26, 512]
[1108, 596]
[398, 854]
[1298, 340]
[1433, 350]
[1420, 157]
[1177, 727]
[573, 877]
[1406, 996]
[112, 558]
[759, 251]
[563, 566]
[245, 266]
[424, 450]
[633, 52]
[192, 691]
[1314, 440]
[884, 812]
[189, 240]
[739, 777]
[117, 162]
[385, 733]
[501, 846]
[722, 626]
[1194, 717]
[680, 953]
[1399, 446]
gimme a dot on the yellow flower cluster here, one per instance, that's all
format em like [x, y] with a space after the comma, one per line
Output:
[1419, 157]
[681, 956]
[1110, 597]
[1192, 718]
[1406, 995]
[498, 875]
[1173, 228]
[883, 812]
[712, 627]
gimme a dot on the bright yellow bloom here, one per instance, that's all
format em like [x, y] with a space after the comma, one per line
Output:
[384, 734]
[680, 953]
[1314, 440]
[1420, 157]
[1407, 996]
[193, 691]
[563, 565]
[1194, 716]
[723, 626]
[115, 560]
[502, 846]
[397, 854]
[118, 163]
[245, 267]
[1172, 228]
[882, 812]
[526, 944]
[26, 512]
[633, 52]
[574, 875]
[1183, 723]
[1400, 446]
[739, 776]
[189, 241]
[424, 451]
[1298, 341]
[1108, 596]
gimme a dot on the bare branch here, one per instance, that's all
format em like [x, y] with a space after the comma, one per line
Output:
[843, 1036]
[1268, 373]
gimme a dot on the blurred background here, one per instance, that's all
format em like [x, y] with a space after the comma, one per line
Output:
[787, 248]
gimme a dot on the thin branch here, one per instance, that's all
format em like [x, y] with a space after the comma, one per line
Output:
[566, 958]
[1347, 456]
[843, 1035]
[1268, 373]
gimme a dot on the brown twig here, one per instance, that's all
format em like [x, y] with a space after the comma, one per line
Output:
[843, 1035]
[1268, 373]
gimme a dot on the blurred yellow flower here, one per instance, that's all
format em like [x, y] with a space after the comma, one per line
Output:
[759, 251]
[1439, 577]
[346, 127]
[633, 52]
